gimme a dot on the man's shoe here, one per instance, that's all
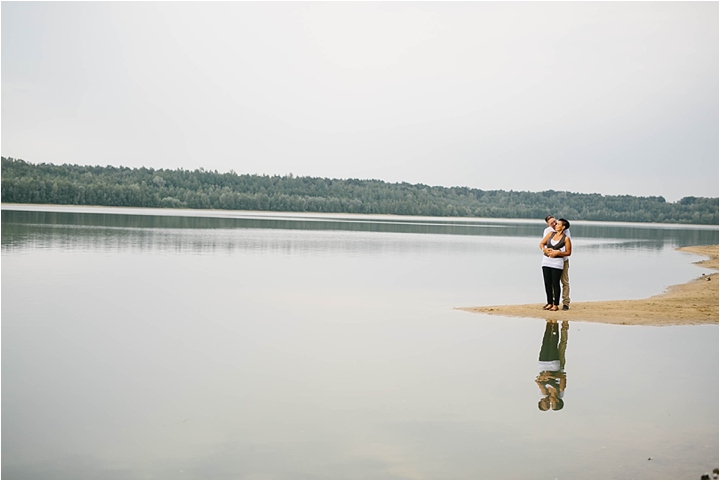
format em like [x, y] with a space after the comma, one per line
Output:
[566, 307]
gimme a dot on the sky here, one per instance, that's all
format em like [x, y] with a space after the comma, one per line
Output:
[589, 97]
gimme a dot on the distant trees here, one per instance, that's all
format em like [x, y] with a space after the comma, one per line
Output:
[23, 182]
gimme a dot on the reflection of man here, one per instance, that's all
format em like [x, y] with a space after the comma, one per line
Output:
[552, 379]
[564, 278]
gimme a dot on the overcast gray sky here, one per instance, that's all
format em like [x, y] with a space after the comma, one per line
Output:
[603, 97]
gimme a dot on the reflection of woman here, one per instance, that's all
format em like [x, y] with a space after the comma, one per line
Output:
[552, 378]
[555, 245]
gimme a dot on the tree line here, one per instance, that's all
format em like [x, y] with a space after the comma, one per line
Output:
[24, 182]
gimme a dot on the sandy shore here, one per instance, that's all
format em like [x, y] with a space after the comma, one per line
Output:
[695, 302]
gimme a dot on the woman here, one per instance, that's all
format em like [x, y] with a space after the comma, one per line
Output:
[555, 245]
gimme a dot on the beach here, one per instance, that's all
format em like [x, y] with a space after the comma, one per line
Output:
[695, 302]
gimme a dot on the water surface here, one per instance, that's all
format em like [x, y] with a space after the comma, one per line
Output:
[146, 344]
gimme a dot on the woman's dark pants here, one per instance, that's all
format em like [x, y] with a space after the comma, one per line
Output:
[549, 350]
[552, 284]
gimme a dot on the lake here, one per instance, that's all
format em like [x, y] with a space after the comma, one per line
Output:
[180, 344]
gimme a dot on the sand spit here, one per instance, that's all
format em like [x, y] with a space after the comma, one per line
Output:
[695, 302]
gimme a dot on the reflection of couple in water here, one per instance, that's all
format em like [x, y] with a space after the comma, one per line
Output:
[552, 379]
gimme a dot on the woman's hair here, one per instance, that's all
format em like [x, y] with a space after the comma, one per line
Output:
[566, 223]
[545, 403]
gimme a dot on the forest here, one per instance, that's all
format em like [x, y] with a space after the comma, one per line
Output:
[25, 182]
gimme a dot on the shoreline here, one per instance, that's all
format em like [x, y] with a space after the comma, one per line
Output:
[692, 303]
[208, 212]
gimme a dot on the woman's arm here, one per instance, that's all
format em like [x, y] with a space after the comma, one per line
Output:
[545, 239]
[568, 249]
[542, 387]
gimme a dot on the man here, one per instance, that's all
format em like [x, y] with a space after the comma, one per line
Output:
[564, 279]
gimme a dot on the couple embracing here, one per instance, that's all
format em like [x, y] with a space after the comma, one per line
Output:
[556, 247]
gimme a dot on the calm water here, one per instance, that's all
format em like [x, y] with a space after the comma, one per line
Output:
[142, 343]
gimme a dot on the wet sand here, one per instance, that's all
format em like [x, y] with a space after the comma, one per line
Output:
[695, 302]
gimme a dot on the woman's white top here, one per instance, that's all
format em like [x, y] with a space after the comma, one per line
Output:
[549, 365]
[551, 229]
[554, 262]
